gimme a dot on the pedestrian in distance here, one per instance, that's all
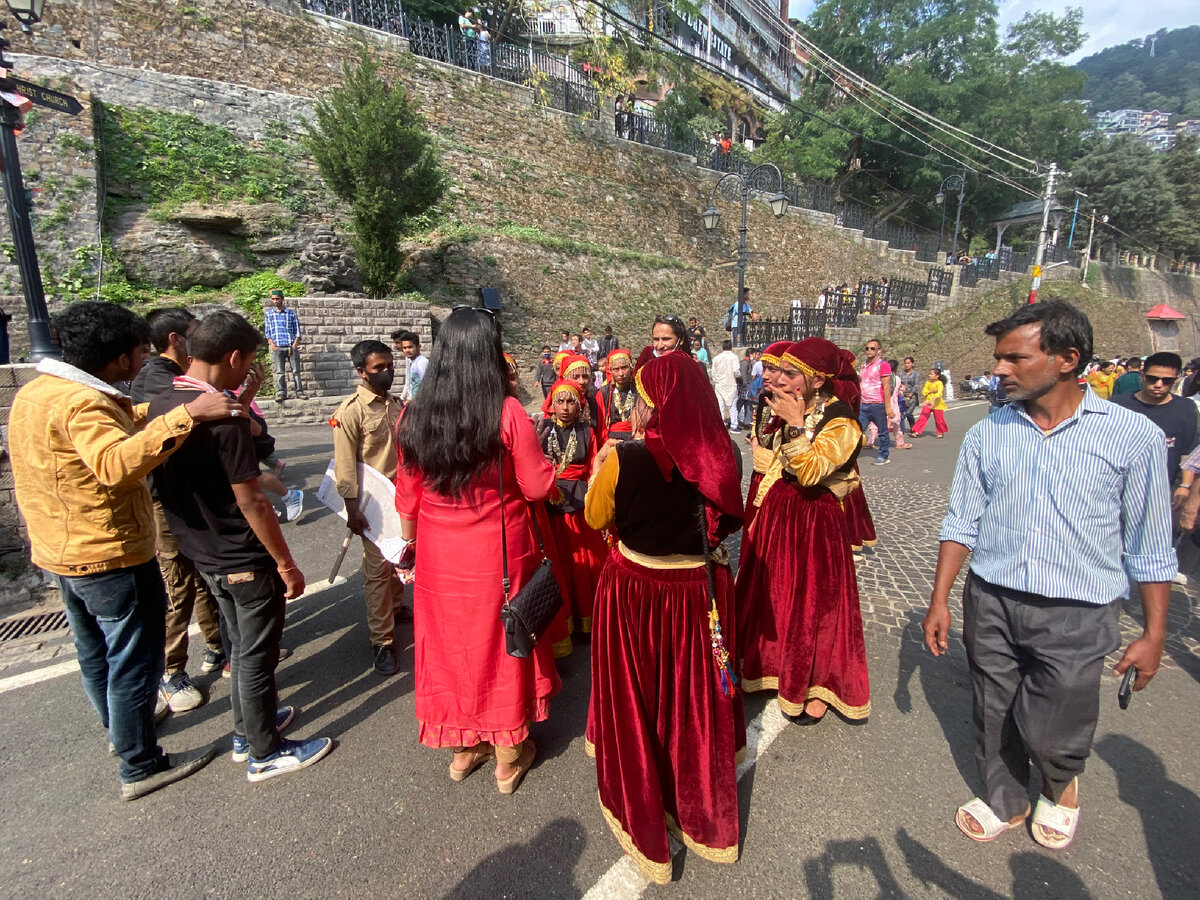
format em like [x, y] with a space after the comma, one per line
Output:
[876, 379]
[408, 344]
[545, 374]
[608, 343]
[283, 336]
[80, 454]
[364, 428]
[1176, 416]
[933, 394]
[216, 508]
[1131, 381]
[726, 373]
[1061, 500]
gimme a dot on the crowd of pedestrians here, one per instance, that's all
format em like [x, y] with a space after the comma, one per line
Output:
[627, 483]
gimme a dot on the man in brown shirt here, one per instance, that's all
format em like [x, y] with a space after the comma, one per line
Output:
[364, 431]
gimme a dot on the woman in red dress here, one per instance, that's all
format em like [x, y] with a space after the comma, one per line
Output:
[570, 445]
[797, 591]
[764, 429]
[471, 696]
[666, 721]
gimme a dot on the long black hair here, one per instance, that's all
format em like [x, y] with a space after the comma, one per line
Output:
[451, 429]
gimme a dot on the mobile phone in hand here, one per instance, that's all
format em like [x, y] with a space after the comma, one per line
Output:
[1125, 691]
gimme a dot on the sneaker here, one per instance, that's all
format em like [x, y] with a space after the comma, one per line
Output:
[881, 461]
[290, 756]
[161, 710]
[226, 672]
[293, 503]
[179, 766]
[241, 744]
[385, 660]
[280, 398]
[213, 660]
[179, 692]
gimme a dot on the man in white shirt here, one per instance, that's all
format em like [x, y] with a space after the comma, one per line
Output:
[409, 344]
[725, 369]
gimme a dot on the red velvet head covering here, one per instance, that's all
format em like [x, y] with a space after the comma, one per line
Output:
[561, 385]
[608, 361]
[688, 432]
[558, 359]
[772, 352]
[573, 361]
[817, 356]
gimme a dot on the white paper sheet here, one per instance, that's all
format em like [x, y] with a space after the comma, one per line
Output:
[377, 502]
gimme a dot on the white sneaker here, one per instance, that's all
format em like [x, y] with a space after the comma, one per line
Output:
[293, 504]
[179, 693]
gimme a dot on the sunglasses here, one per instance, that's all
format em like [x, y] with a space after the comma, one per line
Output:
[481, 309]
[1163, 379]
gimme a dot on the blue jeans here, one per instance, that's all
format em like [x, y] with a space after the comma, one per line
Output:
[118, 619]
[874, 412]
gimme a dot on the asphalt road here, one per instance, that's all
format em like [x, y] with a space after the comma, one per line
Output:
[830, 811]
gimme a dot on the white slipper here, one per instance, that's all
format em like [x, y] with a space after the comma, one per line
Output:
[1062, 819]
[993, 826]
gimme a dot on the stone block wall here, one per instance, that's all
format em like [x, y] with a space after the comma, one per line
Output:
[333, 325]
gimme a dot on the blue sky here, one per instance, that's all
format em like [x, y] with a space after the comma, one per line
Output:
[1106, 22]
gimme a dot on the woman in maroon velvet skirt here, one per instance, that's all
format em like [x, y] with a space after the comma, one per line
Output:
[797, 592]
[666, 721]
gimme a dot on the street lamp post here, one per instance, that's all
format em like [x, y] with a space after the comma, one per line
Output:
[731, 185]
[27, 12]
[951, 183]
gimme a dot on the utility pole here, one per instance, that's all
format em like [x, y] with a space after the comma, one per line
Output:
[1051, 178]
[1087, 257]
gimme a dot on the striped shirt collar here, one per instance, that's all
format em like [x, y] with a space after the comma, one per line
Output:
[1091, 403]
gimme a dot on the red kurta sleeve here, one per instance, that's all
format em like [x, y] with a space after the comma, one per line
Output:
[409, 486]
[535, 475]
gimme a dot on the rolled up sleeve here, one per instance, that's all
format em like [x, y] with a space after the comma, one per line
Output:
[968, 496]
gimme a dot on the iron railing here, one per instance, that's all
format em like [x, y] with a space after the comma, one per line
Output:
[554, 81]
[808, 321]
[907, 295]
[805, 321]
[940, 281]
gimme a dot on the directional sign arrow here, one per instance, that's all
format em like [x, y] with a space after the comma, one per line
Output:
[46, 97]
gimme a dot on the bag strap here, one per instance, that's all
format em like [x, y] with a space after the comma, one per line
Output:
[537, 531]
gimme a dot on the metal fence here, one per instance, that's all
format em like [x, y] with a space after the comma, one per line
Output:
[805, 321]
[907, 295]
[940, 281]
[554, 81]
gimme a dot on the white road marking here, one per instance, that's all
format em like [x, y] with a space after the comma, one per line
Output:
[46, 673]
[623, 880]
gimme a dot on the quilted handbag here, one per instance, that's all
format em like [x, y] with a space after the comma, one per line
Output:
[526, 616]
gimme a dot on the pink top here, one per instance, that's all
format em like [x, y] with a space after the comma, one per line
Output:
[871, 379]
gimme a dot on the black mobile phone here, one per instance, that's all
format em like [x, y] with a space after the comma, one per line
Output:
[1125, 691]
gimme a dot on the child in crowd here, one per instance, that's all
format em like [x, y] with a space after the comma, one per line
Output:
[933, 394]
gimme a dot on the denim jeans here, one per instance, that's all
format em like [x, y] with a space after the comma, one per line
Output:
[118, 619]
[252, 606]
[280, 359]
[874, 412]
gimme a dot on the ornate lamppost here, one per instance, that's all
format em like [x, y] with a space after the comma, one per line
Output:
[951, 183]
[731, 186]
[27, 12]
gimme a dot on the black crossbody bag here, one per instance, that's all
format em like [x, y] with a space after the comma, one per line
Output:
[526, 616]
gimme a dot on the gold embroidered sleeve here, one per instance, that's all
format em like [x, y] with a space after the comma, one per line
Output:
[813, 461]
[600, 504]
[762, 459]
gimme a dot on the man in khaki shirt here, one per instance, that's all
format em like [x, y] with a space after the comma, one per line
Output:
[364, 431]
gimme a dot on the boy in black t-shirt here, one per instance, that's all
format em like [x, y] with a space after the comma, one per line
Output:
[225, 523]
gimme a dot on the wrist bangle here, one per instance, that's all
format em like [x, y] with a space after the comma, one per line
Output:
[283, 569]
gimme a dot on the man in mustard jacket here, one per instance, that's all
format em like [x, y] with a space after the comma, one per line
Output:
[79, 465]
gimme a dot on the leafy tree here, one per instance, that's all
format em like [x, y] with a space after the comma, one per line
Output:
[1182, 168]
[947, 58]
[1127, 76]
[371, 148]
[1126, 179]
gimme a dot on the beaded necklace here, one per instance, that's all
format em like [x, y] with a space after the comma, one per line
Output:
[623, 408]
[562, 459]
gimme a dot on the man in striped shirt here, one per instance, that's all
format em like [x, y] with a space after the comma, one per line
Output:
[1061, 499]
